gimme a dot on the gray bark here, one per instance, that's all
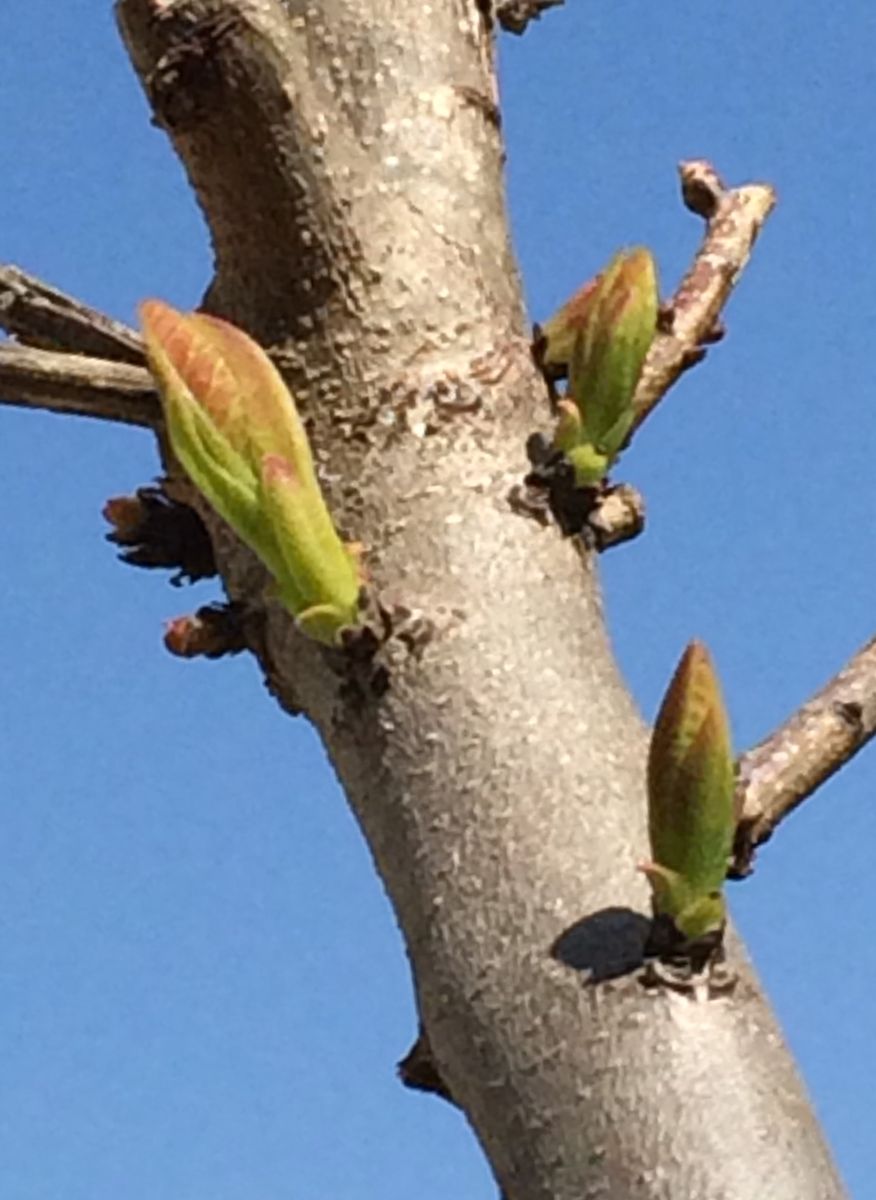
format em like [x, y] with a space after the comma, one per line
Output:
[349, 164]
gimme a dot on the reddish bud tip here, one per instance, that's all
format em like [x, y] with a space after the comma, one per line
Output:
[126, 515]
[211, 632]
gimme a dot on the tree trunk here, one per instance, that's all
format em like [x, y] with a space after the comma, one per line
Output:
[348, 158]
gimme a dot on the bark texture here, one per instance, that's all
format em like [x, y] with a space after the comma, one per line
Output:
[348, 159]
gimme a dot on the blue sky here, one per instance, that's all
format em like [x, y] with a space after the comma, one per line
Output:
[203, 988]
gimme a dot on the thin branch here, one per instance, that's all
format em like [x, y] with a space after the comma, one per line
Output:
[691, 318]
[72, 383]
[40, 315]
[778, 774]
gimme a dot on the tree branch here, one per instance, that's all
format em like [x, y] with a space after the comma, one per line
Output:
[778, 774]
[42, 316]
[734, 218]
[349, 164]
[74, 384]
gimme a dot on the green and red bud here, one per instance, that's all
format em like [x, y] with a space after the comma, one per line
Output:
[691, 808]
[233, 425]
[602, 336]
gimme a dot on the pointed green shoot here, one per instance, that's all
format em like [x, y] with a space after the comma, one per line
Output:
[228, 412]
[610, 348]
[691, 813]
[602, 336]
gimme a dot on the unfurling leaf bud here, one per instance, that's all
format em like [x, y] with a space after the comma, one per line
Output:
[234, 427]
[603, 335]
[610, 348]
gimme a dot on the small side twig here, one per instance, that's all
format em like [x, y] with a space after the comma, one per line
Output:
[418, 1069]
[690, 320]
[778, 774]
[42, 316]
[72, 383]
[515, 15]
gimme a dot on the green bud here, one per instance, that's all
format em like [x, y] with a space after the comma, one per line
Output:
[601, 337]
[610, 349]
[691, 813]
[235, 430]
